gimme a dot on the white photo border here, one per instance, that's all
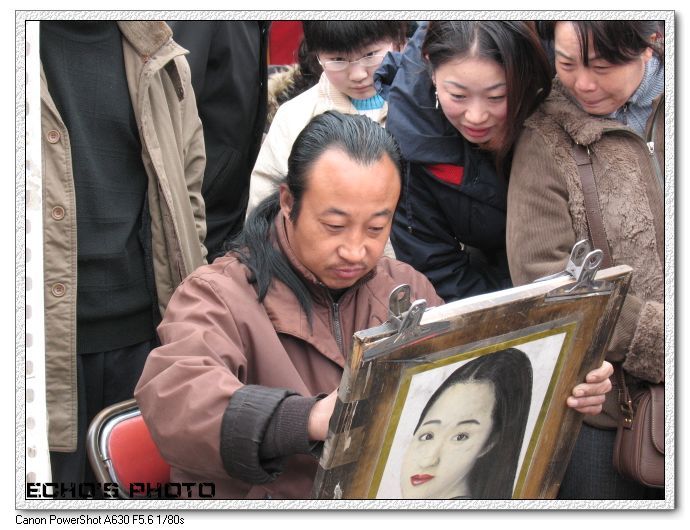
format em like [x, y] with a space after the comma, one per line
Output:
[22, 252]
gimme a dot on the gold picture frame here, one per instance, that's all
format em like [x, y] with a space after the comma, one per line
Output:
[556, 329]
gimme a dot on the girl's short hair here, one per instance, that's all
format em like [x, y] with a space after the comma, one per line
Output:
[351, 35]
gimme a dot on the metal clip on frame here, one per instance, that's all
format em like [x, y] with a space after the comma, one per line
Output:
[582, 266]
[402, 326]
[405, 316]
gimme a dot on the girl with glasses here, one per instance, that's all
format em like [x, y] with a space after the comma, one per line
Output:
[349, 52]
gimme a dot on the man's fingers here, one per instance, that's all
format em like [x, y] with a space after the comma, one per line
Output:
[600, 374]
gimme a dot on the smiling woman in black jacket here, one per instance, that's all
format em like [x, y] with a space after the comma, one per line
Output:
[457, 97]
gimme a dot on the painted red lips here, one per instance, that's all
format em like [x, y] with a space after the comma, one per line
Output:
[417, 480]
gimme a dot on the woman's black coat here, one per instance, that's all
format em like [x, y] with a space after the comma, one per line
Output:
[450, 222]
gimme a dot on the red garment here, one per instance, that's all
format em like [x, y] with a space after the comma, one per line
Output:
[283, 41]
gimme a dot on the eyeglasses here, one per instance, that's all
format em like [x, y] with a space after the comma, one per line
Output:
[367, 62]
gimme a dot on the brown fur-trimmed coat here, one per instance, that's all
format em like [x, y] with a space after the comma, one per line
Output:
[546, 214]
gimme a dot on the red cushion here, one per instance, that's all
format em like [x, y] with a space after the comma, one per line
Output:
[134, 456]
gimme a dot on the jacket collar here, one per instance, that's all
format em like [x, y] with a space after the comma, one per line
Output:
[146, 37]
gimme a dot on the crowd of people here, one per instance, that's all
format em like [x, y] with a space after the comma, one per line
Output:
[214, 236]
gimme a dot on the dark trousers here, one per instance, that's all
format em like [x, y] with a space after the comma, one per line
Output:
[103, 379]
[590, 474]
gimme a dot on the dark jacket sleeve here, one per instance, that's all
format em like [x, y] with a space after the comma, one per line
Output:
[228, 65]
[456, 241]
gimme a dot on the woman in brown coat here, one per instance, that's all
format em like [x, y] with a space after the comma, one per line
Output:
[608, 96]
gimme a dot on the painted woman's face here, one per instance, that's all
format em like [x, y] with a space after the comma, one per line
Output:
[453, 434]
[472, 94]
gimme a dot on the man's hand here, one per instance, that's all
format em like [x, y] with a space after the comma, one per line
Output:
[589, 396]
[320, 415]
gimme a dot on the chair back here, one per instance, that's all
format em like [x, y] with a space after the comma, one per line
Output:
[121, 451]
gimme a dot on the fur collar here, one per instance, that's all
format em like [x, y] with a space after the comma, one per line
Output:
[583, 128]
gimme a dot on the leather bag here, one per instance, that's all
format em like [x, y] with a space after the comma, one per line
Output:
[638, 452]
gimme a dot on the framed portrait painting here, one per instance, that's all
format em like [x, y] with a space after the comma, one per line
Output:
[468, 400]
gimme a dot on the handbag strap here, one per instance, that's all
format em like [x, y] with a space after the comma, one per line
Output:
[595, 222]
[624, 399]
[597, 233]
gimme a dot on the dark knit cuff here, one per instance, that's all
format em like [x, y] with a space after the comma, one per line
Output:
[243, 428]
[287, 431]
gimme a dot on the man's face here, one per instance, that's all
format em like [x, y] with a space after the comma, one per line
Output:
[345, 217]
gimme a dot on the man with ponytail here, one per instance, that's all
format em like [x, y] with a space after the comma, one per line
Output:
[253, 346]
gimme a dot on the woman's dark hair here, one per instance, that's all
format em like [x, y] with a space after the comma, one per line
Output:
[616, 41]
[362, 139]
[351, 35]
[513, 45]
[510, 372]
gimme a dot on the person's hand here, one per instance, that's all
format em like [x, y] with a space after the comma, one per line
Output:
[320, 415]
[588, 397]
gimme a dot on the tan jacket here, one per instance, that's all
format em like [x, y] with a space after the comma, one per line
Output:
[217, 338]
[291, 117]
[173, 154]
[546, 214]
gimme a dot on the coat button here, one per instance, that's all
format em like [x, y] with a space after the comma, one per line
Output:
[53, 136]
[58, 213]
[58, 289]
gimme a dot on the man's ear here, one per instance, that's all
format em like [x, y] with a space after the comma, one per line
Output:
[286, 201]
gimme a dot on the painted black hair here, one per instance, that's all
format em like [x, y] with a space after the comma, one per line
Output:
[616, 41]
[510, 373]
[514, 45]
[351, 35]
[362, 139]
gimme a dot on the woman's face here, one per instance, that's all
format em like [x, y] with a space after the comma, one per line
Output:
[472, 94]
[601, 87]
[451, 437]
